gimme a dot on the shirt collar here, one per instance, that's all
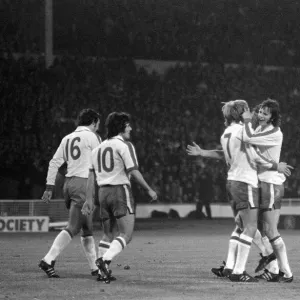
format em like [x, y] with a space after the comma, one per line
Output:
[118, 137]
[82, 128]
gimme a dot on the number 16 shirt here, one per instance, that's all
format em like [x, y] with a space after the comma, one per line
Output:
[75, 149]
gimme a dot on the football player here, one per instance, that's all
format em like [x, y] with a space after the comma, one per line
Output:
[242, 187]
[268, 137]
[114, 161]
[75, 150]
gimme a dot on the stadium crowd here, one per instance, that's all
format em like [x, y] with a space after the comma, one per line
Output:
[262, 32]
[39, 107]
[97, 43]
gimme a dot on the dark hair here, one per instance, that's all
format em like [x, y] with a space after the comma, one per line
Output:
[116, 123]
[274, 108]
[255, 120]
[87, 117]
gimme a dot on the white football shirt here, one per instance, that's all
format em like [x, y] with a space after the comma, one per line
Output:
[75, 149]
[112, 160]
[269, 142]
[242, 158]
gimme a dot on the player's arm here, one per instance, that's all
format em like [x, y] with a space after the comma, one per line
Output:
[131, 164]
[196, 150]
[255, 155]
[54, 164]
[138, 177]
[268, 138]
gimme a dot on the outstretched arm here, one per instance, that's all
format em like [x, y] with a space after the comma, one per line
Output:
[196, 150]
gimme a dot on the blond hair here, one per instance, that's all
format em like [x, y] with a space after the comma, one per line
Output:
[233, 110]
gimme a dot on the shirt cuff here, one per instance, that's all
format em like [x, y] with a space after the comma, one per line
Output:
[49, 187]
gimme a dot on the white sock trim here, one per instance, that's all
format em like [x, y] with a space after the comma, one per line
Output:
[121, 241]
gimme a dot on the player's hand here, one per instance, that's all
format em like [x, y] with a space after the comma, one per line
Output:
[247, 114]
[152, 195]
[194, 150]
[47, 196]
[284, 168]
[87, 208]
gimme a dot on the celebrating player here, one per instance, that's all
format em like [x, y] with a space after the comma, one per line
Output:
[242, 186]
[114, 161]
[75, 149]
[268, 137]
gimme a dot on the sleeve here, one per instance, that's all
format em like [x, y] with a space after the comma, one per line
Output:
[254, 155]
[267, 138]
[129, 157]
[54, 164]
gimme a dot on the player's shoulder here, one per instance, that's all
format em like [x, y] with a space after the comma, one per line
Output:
[270, 130]
[68, 136]
[122, 143]
[129, 145]
[234, 128]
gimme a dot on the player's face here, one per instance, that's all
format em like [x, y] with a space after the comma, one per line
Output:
[264, 116]
[126, 133]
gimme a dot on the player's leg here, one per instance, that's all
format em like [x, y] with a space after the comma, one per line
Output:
[268, 257]
[126, 226]
[109, 226]
[271, 217]
[249, 220]
[121, 205]
[88, 242]
[232, 248]
[268, 261]
[247, 203]
[226, 269]
[110, 229]
[62, 240]
[271, 203]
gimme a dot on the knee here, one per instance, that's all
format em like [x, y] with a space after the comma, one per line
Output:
[238, 221]
[250, 229]
[73, 230]
[86, 232]
[107, 238]
[126, 237]
[271, 233]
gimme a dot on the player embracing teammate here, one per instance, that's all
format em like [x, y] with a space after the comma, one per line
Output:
[249, 159]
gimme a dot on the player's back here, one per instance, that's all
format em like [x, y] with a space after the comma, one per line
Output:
[241, 168]
[77, 150]
[112, 161]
